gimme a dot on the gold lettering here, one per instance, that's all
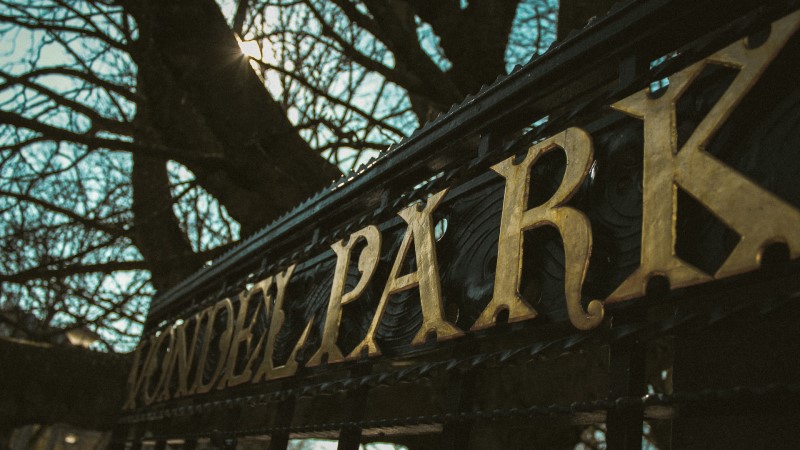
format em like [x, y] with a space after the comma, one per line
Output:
[267, 369]
[573, 225]
[177, 354]
[244, 334]
[152, 365]
[136, 376]
[758, 216]
[420, 231]
[367, 262]
[201, 387]
[162, 386]
[184, 354]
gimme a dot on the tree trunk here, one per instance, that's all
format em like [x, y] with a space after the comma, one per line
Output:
[203, 96]
[157, 234]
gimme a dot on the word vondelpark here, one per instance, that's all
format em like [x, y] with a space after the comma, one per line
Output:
[164, 362]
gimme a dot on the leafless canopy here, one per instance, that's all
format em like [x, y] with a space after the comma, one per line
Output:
[137, 142]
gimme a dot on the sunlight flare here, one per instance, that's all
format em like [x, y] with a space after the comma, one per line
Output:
[250, 49]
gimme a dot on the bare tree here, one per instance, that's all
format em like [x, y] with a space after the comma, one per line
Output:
[138, 142]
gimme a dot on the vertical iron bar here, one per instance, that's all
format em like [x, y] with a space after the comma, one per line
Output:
[456, 434]
[220, 441]
[350, 436]
[626, 379]
[279, 440]
[120, 437]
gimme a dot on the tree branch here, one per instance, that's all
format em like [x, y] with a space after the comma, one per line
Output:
[58, 26]
[405, 79]
[60, 134]
[99, 122]
[91, 223]
[39, 273]
[238, 18]
[371, 120]
[85, 76]
[398, 23]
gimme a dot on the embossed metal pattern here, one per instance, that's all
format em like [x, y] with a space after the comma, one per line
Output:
[560, 226]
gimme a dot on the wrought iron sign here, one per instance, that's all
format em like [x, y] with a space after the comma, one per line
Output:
[649, 160]
[388, 276]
